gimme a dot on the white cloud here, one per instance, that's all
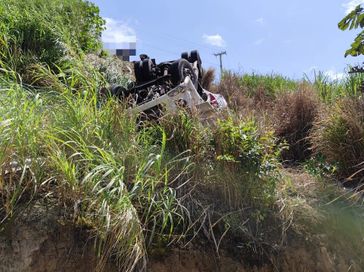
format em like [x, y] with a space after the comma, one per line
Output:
[260, 21]
[118, 32]
[350, 5]
[215, 40]
[333, 75]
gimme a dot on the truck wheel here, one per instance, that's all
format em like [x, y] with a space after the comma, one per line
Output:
[138, 71]
[195, 56]
[147, 72]
[120, 92]
[180, 69]
[185, 55]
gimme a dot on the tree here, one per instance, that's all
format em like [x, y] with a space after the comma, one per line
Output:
[354, 20]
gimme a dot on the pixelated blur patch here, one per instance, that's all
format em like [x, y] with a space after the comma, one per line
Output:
[122, 50]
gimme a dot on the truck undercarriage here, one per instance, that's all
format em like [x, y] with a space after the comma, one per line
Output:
[167, 86]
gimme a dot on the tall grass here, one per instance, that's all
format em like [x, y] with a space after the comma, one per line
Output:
[63, 147]
[208, 77]
[58, 145]
[238, 88]
[134, 189]
[47, 32]
[330, 90]
[294, 115]
[338, 135]
[272, 85]
[139, 188]
[291, 107]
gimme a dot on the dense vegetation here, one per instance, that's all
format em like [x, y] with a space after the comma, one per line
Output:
[178, 182]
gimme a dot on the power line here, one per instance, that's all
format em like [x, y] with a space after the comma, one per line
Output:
[220, 57]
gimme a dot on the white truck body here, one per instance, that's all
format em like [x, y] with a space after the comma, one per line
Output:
[185, 94]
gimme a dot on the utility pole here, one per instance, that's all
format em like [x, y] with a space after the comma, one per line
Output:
[220, 56]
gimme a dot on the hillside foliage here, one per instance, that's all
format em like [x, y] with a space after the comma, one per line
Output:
[180, 182]
[47, 32]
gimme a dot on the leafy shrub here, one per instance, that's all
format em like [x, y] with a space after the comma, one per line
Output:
[338, 136]
[250, 158]
[112, 69]
[242, 142]
[318, 166]
[234, 148]
[45, 31]
[295, 113]
[232, 177]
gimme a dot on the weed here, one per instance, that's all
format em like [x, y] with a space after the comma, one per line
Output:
[208, 78]
[295, 113]
[339, 137]
[272, 84]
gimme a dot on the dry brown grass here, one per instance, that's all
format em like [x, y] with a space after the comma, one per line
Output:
[289, 114]
[229, 87]
[240, 99]
[294, 114]
[208, 78]
[338, 135]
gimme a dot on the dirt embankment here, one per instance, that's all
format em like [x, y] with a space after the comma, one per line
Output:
[293, 259]
[38, 241]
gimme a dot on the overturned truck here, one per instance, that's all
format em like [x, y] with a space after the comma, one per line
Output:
[167, 86]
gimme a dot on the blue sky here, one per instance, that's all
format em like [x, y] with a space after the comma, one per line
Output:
[288, 37]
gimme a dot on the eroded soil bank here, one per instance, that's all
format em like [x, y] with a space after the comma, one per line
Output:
[39, 241]
[292, 259]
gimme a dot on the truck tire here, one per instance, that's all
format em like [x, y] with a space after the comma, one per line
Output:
[147, 72]
[185, 55]
[120, 92]
[195, 56]
[138, 71]
[180, 69]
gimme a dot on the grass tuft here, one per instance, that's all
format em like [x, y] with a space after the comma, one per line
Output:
[295, 114]
[338, 136]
